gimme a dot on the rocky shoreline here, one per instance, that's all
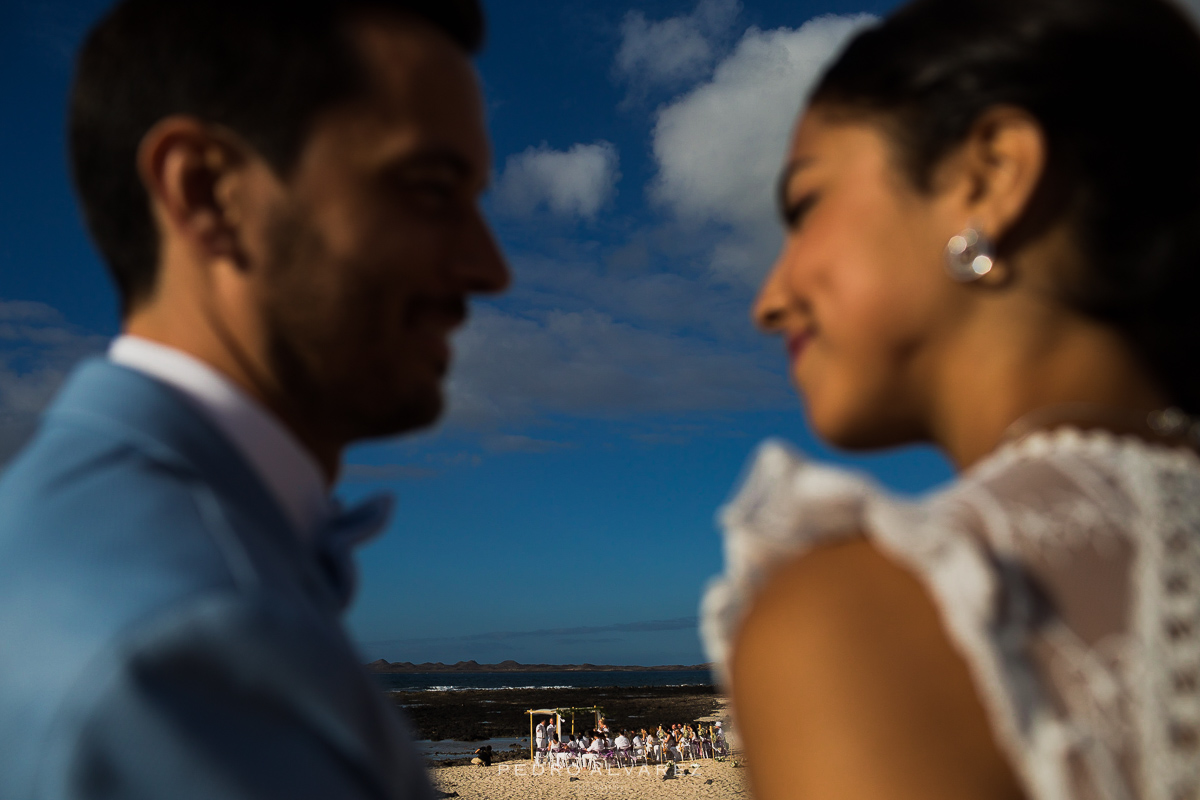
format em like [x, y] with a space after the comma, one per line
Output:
[477, 714]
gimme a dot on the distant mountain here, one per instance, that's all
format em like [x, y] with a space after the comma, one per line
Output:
[512, 666]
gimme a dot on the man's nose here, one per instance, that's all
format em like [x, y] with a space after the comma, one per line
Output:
[480, 265]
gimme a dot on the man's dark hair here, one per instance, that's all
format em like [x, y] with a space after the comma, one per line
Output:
[1106, 80]
[262, 68]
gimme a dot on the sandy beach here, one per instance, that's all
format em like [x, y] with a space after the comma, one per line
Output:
[478, 716]
[521, 780]
[469, 716]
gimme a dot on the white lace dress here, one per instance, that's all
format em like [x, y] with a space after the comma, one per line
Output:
[1066, 568]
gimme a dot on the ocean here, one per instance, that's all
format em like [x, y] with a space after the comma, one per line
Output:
[460, 681]
[447, 748]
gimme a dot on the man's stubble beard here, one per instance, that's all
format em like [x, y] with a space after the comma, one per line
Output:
[324, 349]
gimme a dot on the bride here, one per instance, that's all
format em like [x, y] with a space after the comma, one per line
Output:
[993, 244]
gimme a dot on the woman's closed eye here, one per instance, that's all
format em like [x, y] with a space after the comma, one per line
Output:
[794, 211]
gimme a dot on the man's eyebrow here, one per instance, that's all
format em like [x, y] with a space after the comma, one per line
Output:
[433, 157]
[463, 168]
[785, 178]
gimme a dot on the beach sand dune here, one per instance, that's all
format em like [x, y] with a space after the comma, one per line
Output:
[519, 780]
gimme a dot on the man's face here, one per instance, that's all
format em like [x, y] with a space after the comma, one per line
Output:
[377, 241]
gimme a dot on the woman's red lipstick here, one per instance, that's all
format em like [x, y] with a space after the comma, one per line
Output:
[796, 342]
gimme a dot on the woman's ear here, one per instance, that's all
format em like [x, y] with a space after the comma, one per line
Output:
[1003, 160]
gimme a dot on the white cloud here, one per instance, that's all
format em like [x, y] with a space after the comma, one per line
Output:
[652, 300]
[26, 311]
[575, 182]
[385, 473]
[510, 368]
[517, 443]
[672, 51]
[719, 147]
[37, 350]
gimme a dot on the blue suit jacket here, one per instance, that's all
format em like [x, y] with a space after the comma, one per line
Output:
[164, 632]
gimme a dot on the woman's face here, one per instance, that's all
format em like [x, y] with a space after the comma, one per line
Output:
[859, 291]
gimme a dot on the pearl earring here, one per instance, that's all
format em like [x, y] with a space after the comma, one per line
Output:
[969, 256]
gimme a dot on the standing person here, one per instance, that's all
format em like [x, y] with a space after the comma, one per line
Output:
[695, 743]
[539, 734]
[993, 245]
[286, 196]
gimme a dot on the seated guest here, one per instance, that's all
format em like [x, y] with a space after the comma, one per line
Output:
[672, 747]
[483, 756]
[653, 748]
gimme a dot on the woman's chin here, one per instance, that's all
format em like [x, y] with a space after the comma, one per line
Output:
[855, 433]
[832, 429]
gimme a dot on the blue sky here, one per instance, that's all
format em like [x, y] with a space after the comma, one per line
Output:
[602, 411]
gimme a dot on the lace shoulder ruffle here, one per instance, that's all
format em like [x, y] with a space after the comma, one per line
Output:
[784, 507]
[955, 542]
[788, 506]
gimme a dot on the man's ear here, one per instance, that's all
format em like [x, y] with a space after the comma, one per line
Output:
[1003, 158]
[191, 171]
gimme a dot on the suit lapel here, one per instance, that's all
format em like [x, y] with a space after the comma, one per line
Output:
[161, 422]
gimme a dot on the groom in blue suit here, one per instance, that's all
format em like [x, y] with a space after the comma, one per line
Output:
[286, 196]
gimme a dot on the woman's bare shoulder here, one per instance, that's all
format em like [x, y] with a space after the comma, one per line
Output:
[843, 662]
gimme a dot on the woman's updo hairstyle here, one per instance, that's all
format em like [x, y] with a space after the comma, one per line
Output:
[1113, 84]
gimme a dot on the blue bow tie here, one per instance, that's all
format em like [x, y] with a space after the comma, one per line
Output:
[345, 530]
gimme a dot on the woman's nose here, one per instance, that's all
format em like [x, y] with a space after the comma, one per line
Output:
[770, 307]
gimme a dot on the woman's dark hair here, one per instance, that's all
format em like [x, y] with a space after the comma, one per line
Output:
[1110, 82]
[263, 68]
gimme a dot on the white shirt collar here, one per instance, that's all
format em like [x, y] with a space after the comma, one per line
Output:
[289, 471]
